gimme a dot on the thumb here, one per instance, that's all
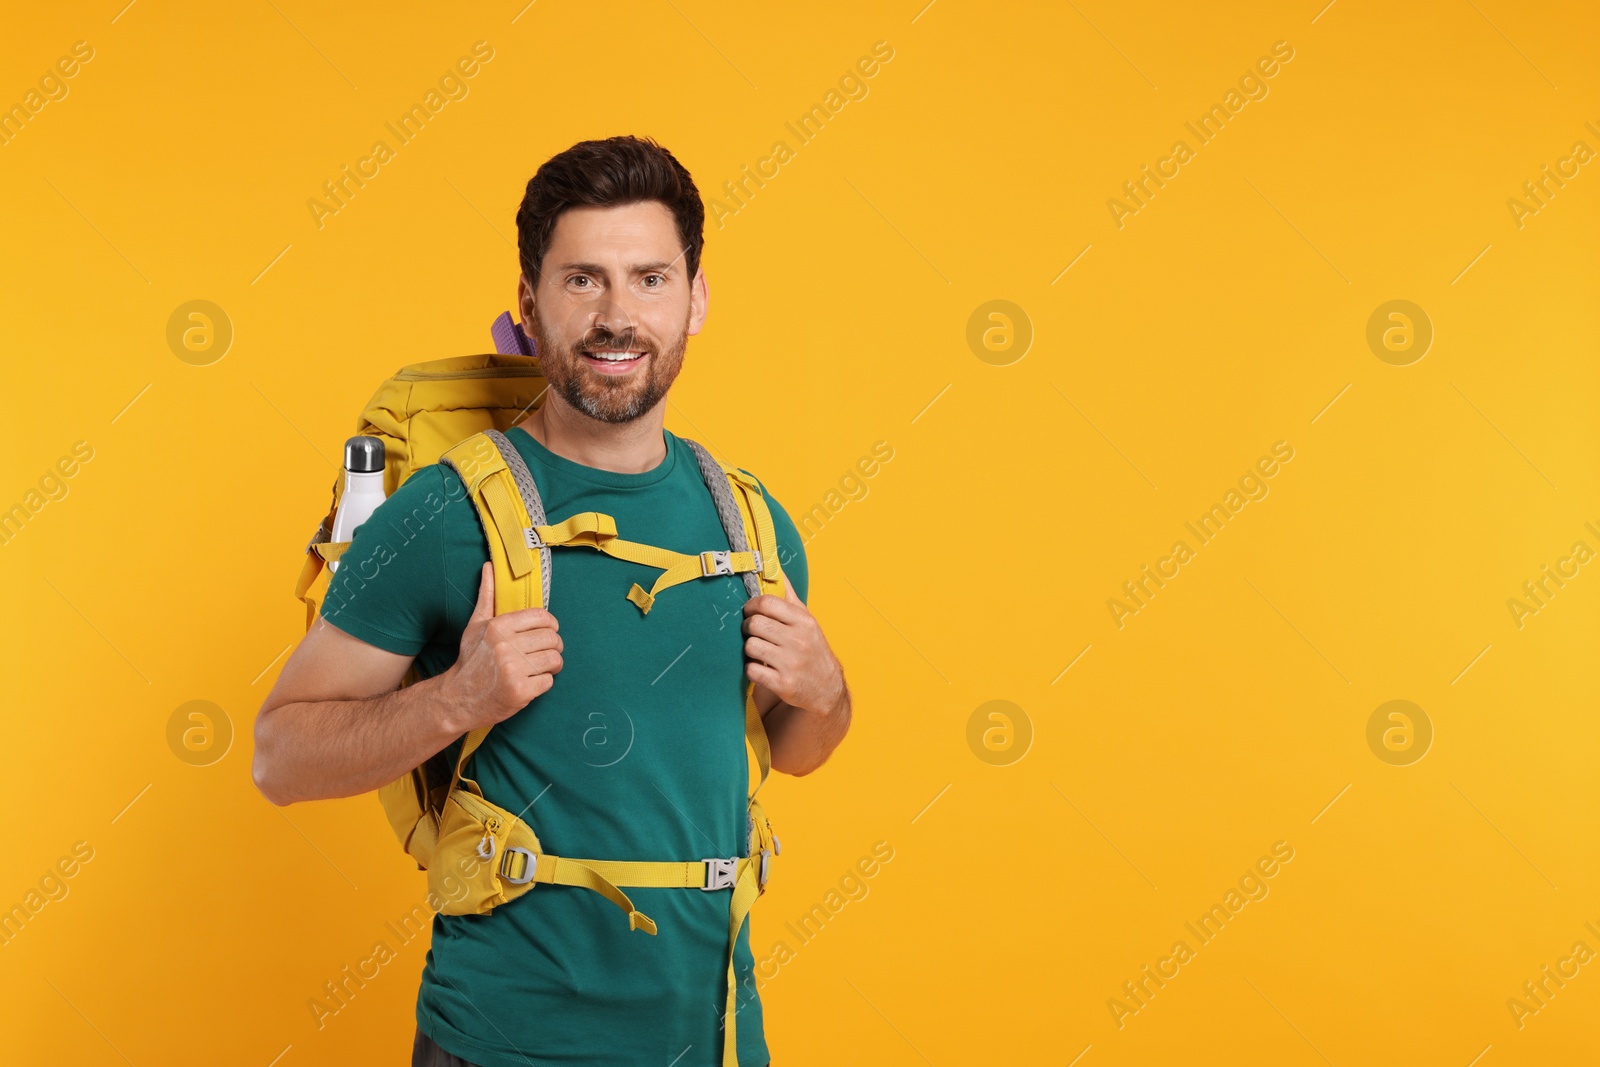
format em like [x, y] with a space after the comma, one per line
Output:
[789, 594]
[484, 608]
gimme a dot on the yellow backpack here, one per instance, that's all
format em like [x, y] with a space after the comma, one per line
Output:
[455, 412]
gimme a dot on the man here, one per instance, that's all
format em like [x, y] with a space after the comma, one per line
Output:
[619, 735]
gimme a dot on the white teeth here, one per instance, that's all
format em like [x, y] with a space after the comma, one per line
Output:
[614, 357]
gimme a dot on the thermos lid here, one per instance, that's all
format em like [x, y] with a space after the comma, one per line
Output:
[363, 455]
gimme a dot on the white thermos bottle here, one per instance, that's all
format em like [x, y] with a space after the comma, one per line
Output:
[363, 488]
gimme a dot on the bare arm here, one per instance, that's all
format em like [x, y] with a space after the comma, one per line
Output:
[334, 724]
[800, 689]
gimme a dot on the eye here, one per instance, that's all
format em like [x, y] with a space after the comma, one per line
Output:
[658, 277]
[579, 278]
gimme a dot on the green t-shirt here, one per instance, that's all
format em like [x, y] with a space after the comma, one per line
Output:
[636, 753]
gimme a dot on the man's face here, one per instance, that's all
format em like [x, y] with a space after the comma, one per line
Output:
[613, 309]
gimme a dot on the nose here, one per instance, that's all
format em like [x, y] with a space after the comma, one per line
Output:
[613, 312]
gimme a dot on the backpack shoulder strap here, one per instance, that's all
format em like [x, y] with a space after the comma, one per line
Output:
[501, 487]
[748, 523]
[749, 527]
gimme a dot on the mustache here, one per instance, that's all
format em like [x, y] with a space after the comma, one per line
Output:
[625, 341]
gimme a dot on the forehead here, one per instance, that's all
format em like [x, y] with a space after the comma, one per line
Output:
[646, 227]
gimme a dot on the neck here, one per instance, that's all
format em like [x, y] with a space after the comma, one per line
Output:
[622, 448]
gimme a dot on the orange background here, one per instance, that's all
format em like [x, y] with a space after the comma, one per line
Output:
[1229, 313]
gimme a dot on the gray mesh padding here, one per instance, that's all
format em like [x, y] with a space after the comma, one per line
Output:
[523, 477]
[716, 480]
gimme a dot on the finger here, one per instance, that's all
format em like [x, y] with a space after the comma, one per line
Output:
[484, 608]
[546, 661]
[789, 594]
[761, 674]
[774, 606]
[759, 648]
[537, 640]
[524, 619]
[763, 626]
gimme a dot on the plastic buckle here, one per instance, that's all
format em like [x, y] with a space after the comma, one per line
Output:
[766, 858]
[755, 555]
[720, 873]
[530, 534]
[505, 865]
[714, 563]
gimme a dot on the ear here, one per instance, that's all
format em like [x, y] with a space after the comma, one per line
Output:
[525, 301]
[699, 298]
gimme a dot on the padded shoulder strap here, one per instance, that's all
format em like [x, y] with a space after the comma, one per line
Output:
[502, 489]
[719, 480]
[748, 524]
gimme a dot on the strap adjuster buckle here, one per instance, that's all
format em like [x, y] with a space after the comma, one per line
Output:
[720, 873]
[530, 862]
[530, 534]
[714, 563]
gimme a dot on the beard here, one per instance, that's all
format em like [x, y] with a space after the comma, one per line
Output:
[609, 398]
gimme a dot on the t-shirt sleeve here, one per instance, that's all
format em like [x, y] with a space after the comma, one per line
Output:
[389, 588]
[791, 550]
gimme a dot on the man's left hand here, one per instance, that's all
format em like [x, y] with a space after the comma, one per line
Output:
[788, 655]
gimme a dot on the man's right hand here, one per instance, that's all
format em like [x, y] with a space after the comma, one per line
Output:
[505, 661]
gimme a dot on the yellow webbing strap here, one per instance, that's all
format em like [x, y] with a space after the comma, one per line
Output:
[518, 583]
[755, 732]
[593, 529]
[762, 535]
[758, 520]
[605, 876]
[745, 891]
[499, 497]
[330, 550]
[602, 876]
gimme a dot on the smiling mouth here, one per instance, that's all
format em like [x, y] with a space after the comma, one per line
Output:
[613, 359]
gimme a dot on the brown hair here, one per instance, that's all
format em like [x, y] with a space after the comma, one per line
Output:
[617, 170]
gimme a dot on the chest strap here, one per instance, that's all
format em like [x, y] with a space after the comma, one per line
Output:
[593, 529]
